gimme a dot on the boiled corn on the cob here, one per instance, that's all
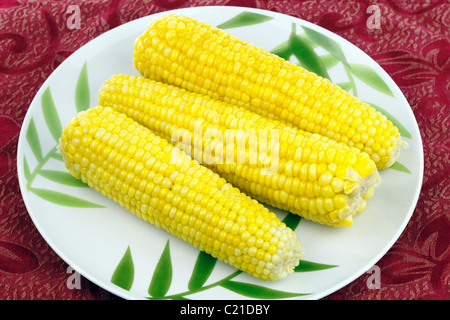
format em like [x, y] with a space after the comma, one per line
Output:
[144, 173]
[303, 173]
[202, 58]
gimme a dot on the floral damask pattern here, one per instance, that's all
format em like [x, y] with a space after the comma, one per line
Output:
[412, 45]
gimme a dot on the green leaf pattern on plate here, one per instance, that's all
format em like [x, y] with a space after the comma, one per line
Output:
[162, 277]
[292, 220]
[258, 292]
[308, 266]
[82, 93]
[306, 55]
[400, 167]
[51, 115]
[329, 61]
[327, 43]
[54, 126]
[367, 75]
[62, 177]
[202, 270]
[63, 199]
[123, 275]
[204, 266]
[33, 140]
[244, 19]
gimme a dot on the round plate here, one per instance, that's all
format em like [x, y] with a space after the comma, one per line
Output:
[135, 260]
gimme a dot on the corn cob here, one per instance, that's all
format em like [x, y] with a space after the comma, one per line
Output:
[307, 174]
[204, 59]
[148, 176]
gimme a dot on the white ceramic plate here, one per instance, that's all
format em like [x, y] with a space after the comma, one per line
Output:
[120, 253]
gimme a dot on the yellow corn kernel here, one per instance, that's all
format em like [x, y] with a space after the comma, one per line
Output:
[269, 160]
[162, 190]
[245, 75]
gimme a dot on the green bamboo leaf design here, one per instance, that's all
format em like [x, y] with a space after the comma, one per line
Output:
[329, 61]
[82, 94]
[403, 131]
[283, 50]
[258, 292]
[400, 167]
[26, 169]
[51, 115]
[57, 156]
[33, 140]
[61, 177]
[351, 81]
[307, 40]
[244, 19]
[63, 199]
[123, 275]
[307, 266]
[292, 220]
[162, 276]
[203, 267]
[327, 43]
[306, 56]
[367, 75]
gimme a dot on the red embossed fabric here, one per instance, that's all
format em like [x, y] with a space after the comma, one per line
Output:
[412, 45]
